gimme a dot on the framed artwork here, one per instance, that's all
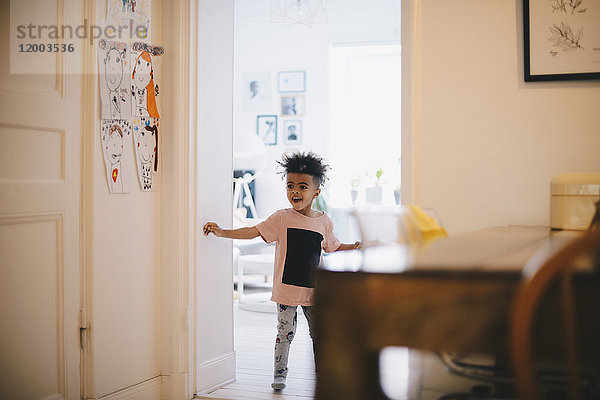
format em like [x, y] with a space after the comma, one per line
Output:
[256, 91]
[292, 132]
[292, 105]
[266, 129]
[292, 81]
[561, 40]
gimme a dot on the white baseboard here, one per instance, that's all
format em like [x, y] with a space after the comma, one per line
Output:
[175, 387]
[147, 390]
[215, 373]
[165, 389]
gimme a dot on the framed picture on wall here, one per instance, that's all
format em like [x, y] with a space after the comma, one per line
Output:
[292, 105]
[266, 129]
[561, 40]
[292, 81]
[292, 132]
[256, 91]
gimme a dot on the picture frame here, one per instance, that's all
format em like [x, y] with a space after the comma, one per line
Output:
[292, 105]
[561, 40]
[256, 91]
[292, 132]
[266, 129]
[292, 81]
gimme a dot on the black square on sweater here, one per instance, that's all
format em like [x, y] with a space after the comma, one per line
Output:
[302, 258]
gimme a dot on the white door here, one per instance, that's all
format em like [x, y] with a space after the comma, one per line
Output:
[39, 213]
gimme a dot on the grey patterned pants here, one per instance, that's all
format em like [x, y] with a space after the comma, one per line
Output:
[287, 320]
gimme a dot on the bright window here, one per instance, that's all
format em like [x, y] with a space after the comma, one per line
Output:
[365, 121]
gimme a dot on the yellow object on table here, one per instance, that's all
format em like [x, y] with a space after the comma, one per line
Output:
[427, 225]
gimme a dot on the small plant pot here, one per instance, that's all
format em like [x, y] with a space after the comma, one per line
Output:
[397, 197]
[353, 195]
[374, 195]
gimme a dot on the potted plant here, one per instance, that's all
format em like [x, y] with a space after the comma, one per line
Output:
[374, 194]
[354, 184]
[397, 195]
[320, 202]
[397, 192]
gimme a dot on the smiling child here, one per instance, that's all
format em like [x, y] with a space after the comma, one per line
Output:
[299, 233]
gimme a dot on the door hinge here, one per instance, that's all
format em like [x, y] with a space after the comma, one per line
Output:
[83, 325]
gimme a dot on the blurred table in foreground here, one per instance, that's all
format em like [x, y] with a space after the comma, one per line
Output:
[453, 295]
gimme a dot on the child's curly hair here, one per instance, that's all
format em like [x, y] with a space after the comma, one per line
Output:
[304, 163]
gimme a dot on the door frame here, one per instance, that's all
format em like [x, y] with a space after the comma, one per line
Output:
[89, 104]
[178, 202]
[410, 141]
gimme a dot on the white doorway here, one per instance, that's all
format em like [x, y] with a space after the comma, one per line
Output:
[264, 48]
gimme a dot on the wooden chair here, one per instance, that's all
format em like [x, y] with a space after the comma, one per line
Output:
[550, 278]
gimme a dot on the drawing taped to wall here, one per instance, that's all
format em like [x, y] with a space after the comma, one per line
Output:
[146, 144]
[115, 137]
[130, 17]
[145, 74]
[113, 67]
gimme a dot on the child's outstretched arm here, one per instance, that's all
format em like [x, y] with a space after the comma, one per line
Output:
[349, 246]
[240, 233]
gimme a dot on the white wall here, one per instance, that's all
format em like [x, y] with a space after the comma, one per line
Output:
[489, 143]
[126, 265]
[280, 49]
[265, 46]
[162, 295]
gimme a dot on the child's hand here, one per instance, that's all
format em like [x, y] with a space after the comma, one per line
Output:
[214, 228]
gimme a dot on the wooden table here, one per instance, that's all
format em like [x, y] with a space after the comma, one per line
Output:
[452, 295]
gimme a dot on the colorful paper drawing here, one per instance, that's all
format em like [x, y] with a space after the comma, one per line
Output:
[115, 82]
[130, 19]
[115, 135]
[146, 142]
[145, 73]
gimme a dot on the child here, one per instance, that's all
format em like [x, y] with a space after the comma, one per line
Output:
[299, 234]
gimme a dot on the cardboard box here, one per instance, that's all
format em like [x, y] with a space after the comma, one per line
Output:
[573, 200]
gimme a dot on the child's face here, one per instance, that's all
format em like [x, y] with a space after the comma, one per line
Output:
[301, 191]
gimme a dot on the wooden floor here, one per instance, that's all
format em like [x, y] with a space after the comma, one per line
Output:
[254, 342]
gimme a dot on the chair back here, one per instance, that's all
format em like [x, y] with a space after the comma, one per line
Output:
[550, 278]
[384, 225]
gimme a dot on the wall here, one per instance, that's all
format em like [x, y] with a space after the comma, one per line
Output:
[126, 269]
[487, 143]
[265, 46]
[281, 49]
[486, 159]
[162, 293]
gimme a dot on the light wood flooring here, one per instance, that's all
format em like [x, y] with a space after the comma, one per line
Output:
[254, 342]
